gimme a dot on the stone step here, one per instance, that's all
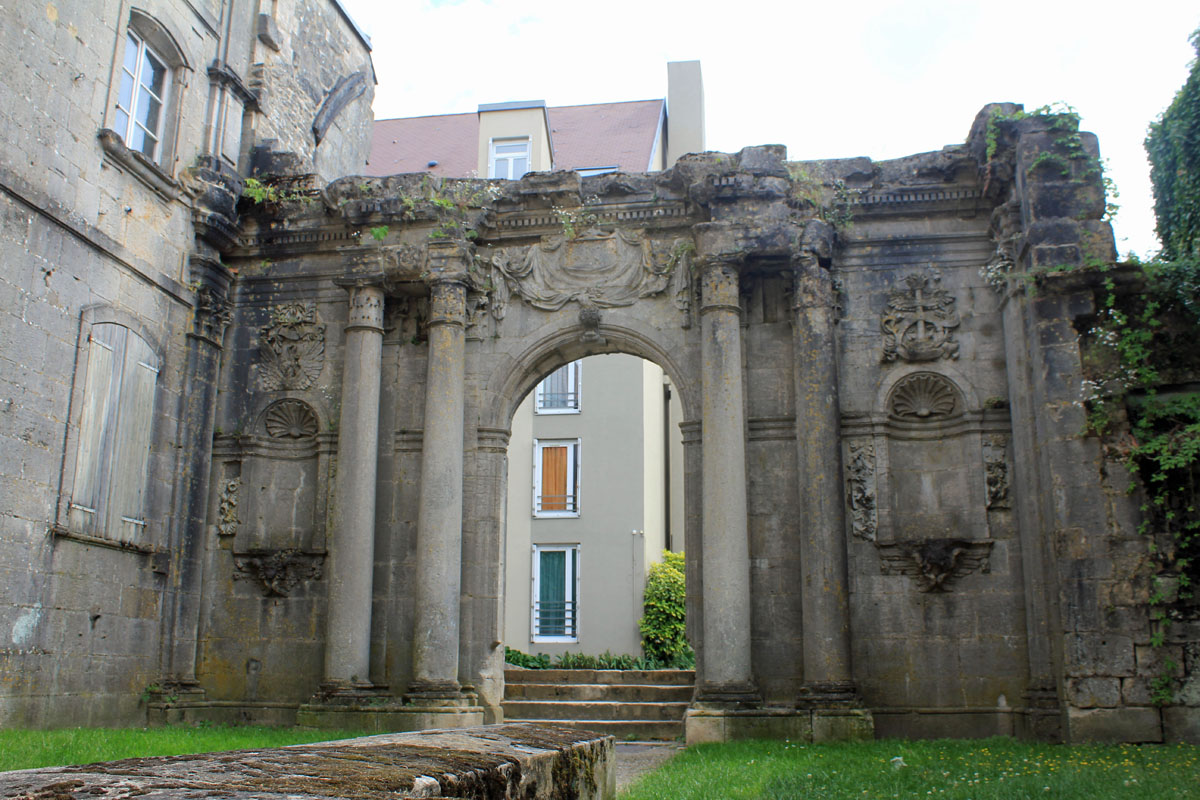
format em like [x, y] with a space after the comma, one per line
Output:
[582, 692]
[659, 677]
[557, 710]
[633, 730]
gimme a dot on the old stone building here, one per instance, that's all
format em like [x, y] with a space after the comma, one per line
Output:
[254, 455]
[125, 130]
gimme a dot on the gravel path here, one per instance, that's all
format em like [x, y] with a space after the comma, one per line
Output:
[635, 759]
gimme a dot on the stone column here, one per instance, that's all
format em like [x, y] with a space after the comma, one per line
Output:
[825, 607]
[725, 549]
[352, 538]
[439, 516]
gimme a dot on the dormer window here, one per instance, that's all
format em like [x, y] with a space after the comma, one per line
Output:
[509, 158]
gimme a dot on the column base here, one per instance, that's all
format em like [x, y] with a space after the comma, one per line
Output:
[707, 722]
[836, 711]
[732, 695]
[374, 709]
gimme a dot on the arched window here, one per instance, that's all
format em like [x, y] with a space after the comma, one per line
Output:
[148, 83]
[108, 495]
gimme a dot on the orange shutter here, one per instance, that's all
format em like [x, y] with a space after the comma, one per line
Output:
[554, 479]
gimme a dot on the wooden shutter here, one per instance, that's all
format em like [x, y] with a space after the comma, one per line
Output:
[131, 456]
[554, 478]
[101, 387]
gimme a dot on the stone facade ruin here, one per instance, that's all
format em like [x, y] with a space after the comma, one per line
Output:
[895, 524]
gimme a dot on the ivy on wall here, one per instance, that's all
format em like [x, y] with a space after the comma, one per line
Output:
[1173, 144]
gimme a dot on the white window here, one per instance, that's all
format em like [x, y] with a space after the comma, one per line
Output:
[558, 393]
[142, 100]
[509, 158]
[556, 477]
[108, 495]
[555, 614]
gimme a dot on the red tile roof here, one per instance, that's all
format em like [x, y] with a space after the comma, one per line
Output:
[600, 135]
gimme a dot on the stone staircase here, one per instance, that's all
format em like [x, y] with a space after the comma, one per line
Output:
[627, 704]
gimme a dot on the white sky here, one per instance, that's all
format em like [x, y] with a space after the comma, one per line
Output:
[829, 79]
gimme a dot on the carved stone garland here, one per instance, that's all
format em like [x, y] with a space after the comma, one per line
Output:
[995, 464]
[279, 571]
[860, 490]
[227, 514]
[918, 323]
[291, 348]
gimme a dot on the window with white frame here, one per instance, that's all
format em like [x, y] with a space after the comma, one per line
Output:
[508, 159]
[113, 454]
[556, 477]
[555, 613]
[145, 86]
[558, 393]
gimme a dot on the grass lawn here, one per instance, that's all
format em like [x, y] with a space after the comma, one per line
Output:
[25, 749]
[988, 769]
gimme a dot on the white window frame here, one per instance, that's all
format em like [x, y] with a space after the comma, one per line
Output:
[574, 372]
[141, 48]
[508, 158]
[573, 464]
[570, 590]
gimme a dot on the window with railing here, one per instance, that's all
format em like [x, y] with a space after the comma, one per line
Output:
[556, 478]
[555, 615]
[559, 392]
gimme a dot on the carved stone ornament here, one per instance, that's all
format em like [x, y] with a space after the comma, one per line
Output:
[995, 464]
[279, 571]
[924, 396]
[290, 419]
[291, 347]
[936, 563]
[919, 322]
[860, 490]
[213, 313]
[609, 269]
[227, 513]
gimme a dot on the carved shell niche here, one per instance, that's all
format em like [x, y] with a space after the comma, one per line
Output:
[290, 419]
[924, 396]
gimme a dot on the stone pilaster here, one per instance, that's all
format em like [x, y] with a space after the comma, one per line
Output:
[439, 517]
[725, 551]
[352, 538]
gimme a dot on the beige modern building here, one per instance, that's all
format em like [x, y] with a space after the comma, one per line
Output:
[595, 494]
[595, 460]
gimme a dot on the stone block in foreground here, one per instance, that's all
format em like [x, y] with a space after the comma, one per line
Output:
[495, 762]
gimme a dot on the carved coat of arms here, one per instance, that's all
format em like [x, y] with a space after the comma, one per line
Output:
[919, 322]
[292, 348]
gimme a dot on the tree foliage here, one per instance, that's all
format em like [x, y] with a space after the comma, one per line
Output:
[1173, 145]
[663, 625]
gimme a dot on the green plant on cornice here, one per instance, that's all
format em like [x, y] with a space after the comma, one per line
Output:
[260, 192]
[831, 200]
[379, 233]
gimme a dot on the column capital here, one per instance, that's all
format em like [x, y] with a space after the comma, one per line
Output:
[366, 308]
[719, 281]
[448, 303]
[449, 261]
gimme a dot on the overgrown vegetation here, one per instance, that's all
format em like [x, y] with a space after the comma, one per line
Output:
[831, 199]
[28, 749]
[1173, 144]
[988, 769]
[664, 610]
[605, 660]
[1142, 370]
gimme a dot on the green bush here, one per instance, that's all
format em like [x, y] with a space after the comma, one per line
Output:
[663, 624]
[605, 660]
